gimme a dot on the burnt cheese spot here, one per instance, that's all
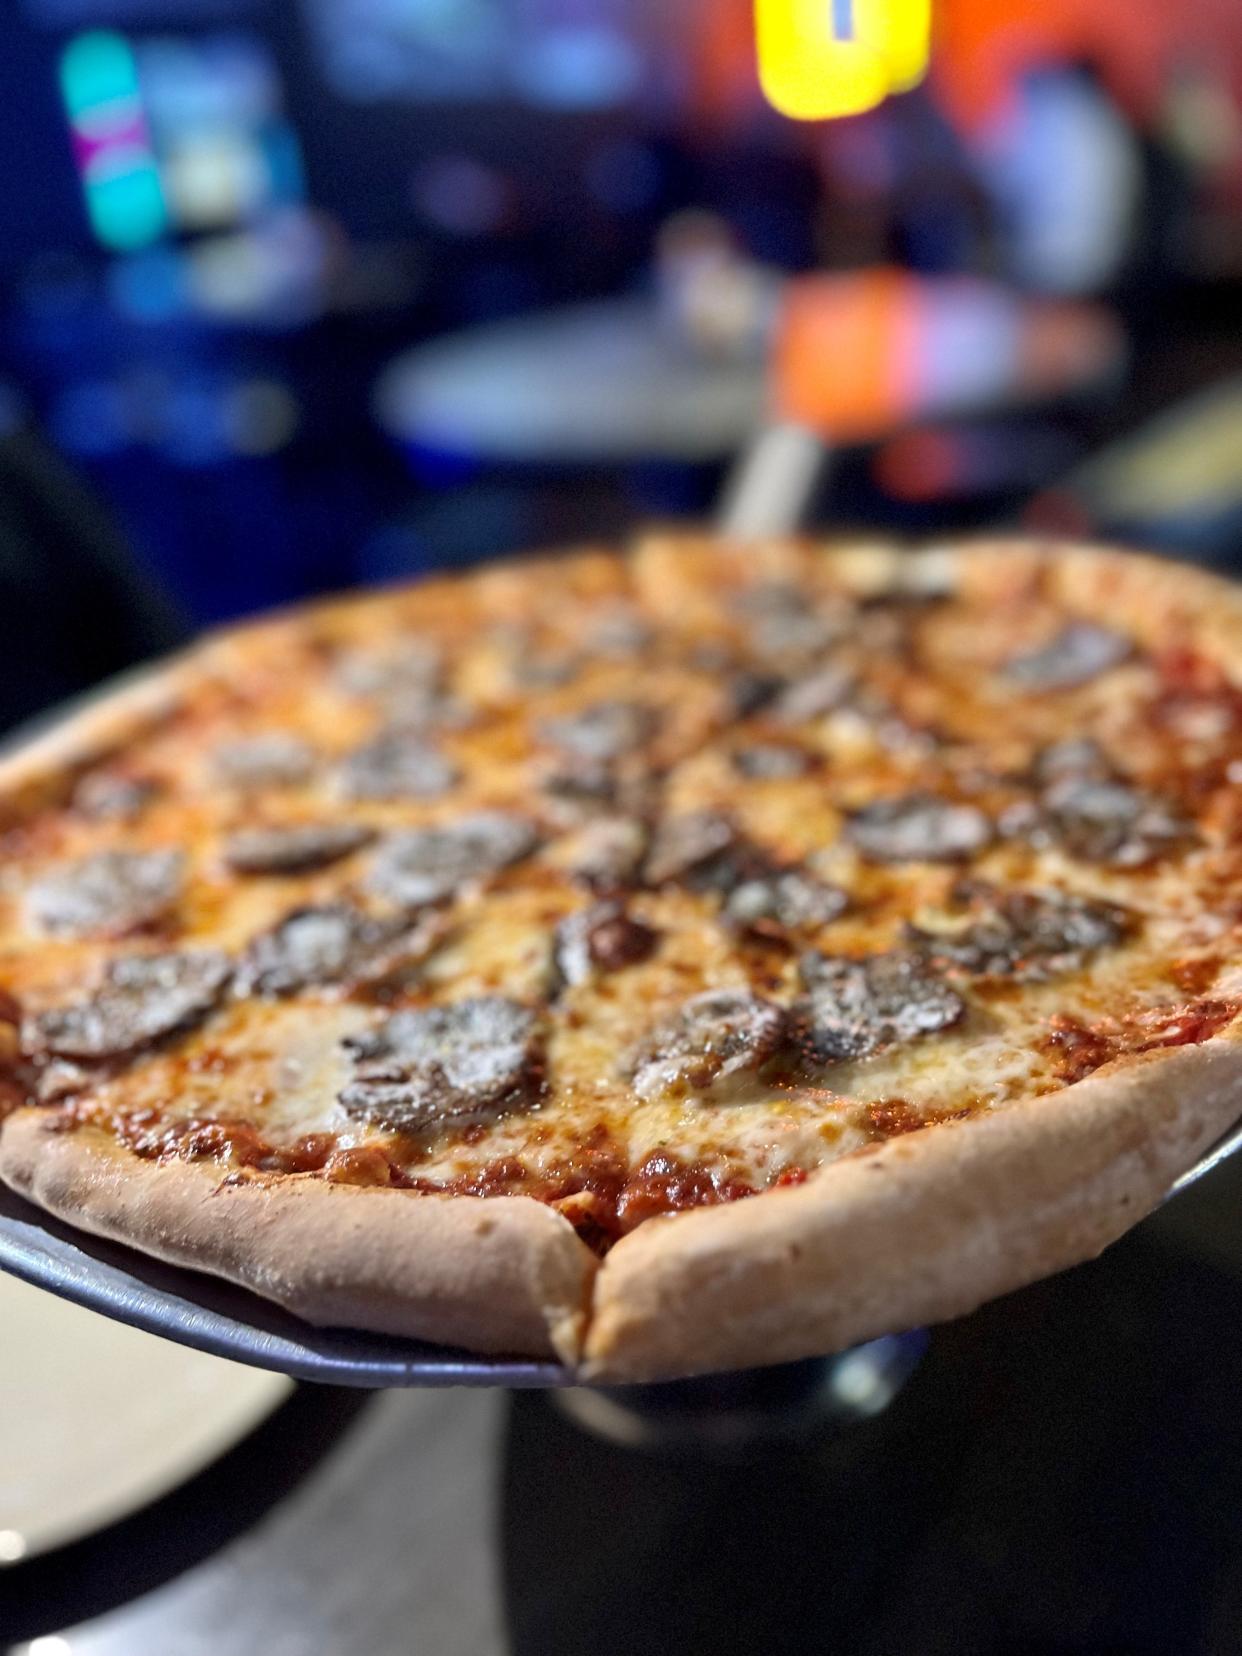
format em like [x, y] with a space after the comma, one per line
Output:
[334, 945]
[919, 828]
[107, 894]
[720, 1033]
[427, 865]
[853, 1008]
[454, 1062]
[1080, 652]
[143, 998]
[294, 847]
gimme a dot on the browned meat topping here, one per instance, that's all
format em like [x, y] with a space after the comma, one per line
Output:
[414, 666]
[1100, 820]
[712, 1036]
[852, 1008]
[783, 623]
[602, 938]
[110, 893]
[919, 828]
[609, 852]
[397, 764]
[686, 842]
[748, 691]
[1075, 756]
[270, 759]
[814, 696]
[446, 1062]
[787, 899]
[771, 761]
[335, 945]
[1080, 652]
[427, 865]
[622, 632]
[1027, 935]
[106, 796]
[143, 999]
[295, 847]
[601, 733]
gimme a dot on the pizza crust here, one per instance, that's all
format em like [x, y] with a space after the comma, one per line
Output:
[502, 1274]
[922, 1228]
[100, 727]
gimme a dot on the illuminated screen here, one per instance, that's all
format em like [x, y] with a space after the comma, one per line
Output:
[557, 54]
[176, 133]
[83, 14]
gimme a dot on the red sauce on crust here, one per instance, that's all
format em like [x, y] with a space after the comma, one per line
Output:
[230, 1142]
[600, 1196]
[593, 1186]
[1078, 1049]
[596, 1191]
[1075, 1050]
[666, 1183]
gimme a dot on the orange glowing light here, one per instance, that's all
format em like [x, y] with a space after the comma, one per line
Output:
[824, 58]
[846, 351]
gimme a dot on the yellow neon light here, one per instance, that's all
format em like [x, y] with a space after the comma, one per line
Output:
[823, 58]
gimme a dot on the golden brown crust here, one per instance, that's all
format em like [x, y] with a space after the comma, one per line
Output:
[99, 728]
[502, 1275]
[923, 1228]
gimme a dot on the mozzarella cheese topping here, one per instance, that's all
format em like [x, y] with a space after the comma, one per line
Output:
[1010, 779]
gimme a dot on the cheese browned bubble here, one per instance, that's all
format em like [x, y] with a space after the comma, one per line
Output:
[654, 883]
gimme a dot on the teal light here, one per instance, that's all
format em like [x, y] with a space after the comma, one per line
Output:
[102, 97]
[96, 68]
[127, 210]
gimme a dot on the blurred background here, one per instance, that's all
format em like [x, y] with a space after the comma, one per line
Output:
[300, 294]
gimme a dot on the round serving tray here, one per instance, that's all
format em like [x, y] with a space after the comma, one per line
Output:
[215, 1316]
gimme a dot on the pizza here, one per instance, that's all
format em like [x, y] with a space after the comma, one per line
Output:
[700, 956]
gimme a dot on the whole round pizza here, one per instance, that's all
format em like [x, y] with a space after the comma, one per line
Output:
[705, 956]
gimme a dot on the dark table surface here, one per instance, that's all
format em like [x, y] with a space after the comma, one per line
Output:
[1062, 1475]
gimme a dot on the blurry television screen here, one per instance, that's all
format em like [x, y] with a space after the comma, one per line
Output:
[560, 54]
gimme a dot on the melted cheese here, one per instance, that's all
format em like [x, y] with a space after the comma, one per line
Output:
[935, 716]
